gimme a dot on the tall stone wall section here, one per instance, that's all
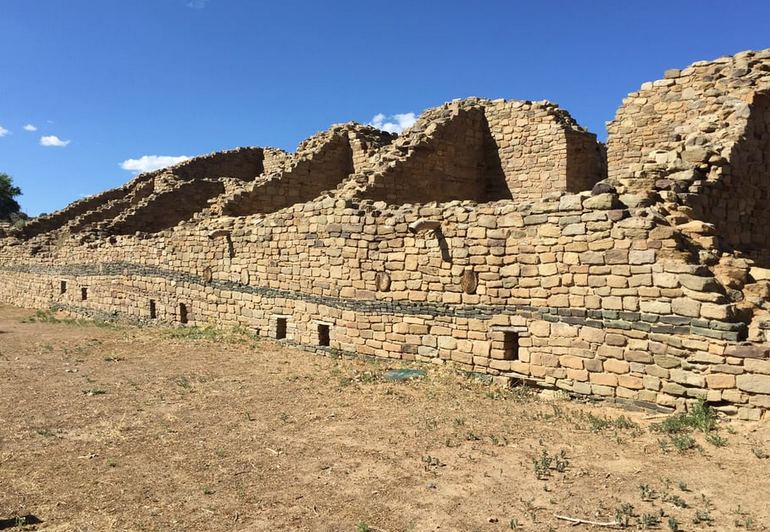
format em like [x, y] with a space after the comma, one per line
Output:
[699, 138]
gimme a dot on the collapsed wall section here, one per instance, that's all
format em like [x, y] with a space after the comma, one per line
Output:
[240, 163]
[697, 141]
[737, 202]
[166, 209]
[542, 149]
[486, 150]
[444, 157]
[304, 180]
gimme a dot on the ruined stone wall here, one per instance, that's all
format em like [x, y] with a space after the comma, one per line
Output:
[462, 242]
[452, 164]
[597, 299]
[486, 151]
[542, 150]
[699, 137]
[738, 201]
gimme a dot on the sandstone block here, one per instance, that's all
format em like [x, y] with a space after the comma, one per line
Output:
[540, 328]
[753, 365]
[641, 357]
[746, 351]
[631, 382]
[603, 379]
[686, 307]
[719, 381]
[655, 307]
[753, 383]
[689, 378]
[603, 201]
[698, 283]
[646, 256]
[570, 361]
[592, 334]
[616, 366]
[563, 330]
[667, 362]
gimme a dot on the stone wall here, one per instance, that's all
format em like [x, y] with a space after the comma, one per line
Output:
[464, 241]
[485, 151]
[699, 138]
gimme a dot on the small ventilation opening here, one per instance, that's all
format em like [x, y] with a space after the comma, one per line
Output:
[153, 310]
[510, 345]
[280, 328]
[63, 287]
[83, 293]
[323, 335]
[182, 313]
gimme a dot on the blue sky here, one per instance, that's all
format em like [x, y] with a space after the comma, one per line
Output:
[106, 81]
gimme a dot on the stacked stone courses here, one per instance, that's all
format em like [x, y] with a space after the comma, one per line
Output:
[494, 237]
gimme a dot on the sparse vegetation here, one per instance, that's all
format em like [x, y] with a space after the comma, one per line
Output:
[648, 521]
[546, 463]
[210, 421]
[624, 515]
[673, 524]
[679, 427]
[50, 316]
[760, 453]
[235, 335]
[716, 440]
[702, 517]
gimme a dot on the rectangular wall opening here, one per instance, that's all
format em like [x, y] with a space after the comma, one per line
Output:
[63, 287]
[182, 313]
[510, 345]
[153, 310]
[280, 328]
[83, 293]
[323, 335]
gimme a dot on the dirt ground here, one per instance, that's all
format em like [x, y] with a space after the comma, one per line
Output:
[126, 428]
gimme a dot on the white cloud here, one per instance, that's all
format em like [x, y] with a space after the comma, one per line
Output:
[394, 123]
[147, 163]
[197, 4]
[53, 140]
[3, 131]
[30, 127]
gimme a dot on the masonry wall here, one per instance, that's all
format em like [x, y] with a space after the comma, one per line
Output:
[464, 242]
[486, 150]
[738, 202]
[542, 149]
[598, 298]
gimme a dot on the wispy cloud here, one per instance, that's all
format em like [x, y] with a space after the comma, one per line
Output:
[197, 4]
[3, 131]
[53, 140]
[394, 123]
[147, 163]
[30, 127]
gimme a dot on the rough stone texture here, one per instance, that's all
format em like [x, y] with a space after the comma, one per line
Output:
[487, 237]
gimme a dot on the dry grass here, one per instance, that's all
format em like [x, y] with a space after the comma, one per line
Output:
[120, 428]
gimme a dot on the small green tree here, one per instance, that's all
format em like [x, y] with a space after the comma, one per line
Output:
[8, 205]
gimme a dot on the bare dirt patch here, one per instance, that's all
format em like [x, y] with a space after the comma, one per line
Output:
[106, 428]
